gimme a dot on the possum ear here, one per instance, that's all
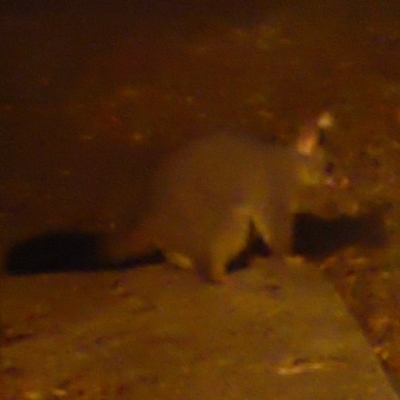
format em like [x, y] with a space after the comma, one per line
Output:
[310, 134]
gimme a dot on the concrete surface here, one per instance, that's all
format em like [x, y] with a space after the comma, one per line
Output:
[273, 331]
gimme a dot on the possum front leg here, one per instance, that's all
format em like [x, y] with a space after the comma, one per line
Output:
[274, 224]
[282, 231]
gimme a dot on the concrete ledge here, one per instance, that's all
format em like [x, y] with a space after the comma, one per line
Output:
[274, 331]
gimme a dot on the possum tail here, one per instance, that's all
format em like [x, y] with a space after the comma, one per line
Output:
[63, 251]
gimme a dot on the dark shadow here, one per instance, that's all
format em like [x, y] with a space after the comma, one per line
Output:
[314, 237]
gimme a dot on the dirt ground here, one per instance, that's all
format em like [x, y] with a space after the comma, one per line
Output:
[93, 93]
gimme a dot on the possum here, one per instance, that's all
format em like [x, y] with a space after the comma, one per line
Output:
[203, 197]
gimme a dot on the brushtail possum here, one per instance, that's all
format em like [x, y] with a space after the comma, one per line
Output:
[203, 197]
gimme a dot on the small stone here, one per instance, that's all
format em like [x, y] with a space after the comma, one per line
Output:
[58, 392]
[33, 395]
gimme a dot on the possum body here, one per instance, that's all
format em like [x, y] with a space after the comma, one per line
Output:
[202, 198]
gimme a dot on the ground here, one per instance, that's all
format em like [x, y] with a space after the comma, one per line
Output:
[92, 94]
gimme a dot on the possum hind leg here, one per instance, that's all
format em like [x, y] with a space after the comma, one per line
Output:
[229, 240]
